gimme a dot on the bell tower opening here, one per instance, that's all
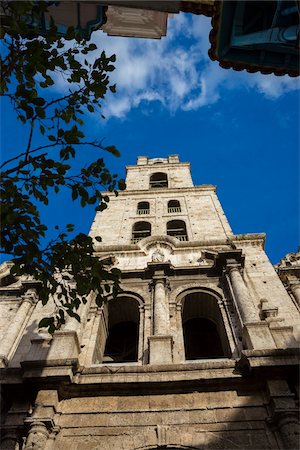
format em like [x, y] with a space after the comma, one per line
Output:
[140, 230]
[158, 180]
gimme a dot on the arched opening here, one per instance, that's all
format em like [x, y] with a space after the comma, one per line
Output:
[174, 206]
[123, 331]
[204, 332]
[140, 230]
[143, 208]
[158, 180]
[177, 228]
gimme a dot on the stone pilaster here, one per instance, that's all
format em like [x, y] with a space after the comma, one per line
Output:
[20, 319]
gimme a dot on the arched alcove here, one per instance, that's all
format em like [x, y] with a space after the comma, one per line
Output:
[123, 331]
[143, 208]
[177, 228]
[158, 180]
[203, 328]
[174, 206]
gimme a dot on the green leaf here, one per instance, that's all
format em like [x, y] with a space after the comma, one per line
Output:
[46, 322]
[112, 149]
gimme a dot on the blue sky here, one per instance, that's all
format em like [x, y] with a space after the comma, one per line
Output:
[240, 131]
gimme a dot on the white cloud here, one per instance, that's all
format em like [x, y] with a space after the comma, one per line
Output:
[176, 70]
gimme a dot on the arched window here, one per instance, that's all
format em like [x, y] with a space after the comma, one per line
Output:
[123, 331]
[158, 180]
[140, 230]
[203, 327]
[174, 206]
[143, 208]
[177, 228]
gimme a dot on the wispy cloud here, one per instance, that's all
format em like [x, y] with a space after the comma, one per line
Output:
[176, 71]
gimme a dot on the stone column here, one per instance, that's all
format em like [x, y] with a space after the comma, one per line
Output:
[160, 343]
[37, 436]
[245, 306]
[256, 333]
[19, 320]
[141, 334]
[295, 288]
[161, 320]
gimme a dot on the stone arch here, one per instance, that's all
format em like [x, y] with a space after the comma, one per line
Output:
[200, 310]
[180, 292]
[163, 240]
[137, 295]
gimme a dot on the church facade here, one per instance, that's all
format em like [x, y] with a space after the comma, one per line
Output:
[198, 351]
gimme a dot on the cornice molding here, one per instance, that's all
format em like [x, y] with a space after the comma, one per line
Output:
[182, 190]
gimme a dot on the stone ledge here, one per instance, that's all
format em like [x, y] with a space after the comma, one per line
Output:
[59, 369]
[253, 361]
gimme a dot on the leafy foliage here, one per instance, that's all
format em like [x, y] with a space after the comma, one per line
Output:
[30, 65]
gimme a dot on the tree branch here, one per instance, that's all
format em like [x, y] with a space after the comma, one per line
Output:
[29, 141]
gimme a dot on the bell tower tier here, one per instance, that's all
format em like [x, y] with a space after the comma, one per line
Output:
[161, 199]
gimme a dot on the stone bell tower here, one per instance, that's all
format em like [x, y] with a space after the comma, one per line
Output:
[198, 351]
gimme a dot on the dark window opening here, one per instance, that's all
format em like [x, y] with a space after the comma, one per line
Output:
[122, 343]
[143, 208]
[123, 331]
[201, 339]
[203, 327]
[177, 228]
[140, 230]
[158, 180]
[174, 206]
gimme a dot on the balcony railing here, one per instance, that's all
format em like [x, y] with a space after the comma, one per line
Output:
[181, 237]
[135, 240]
[158, 184]
[143, 211]
[174, 209]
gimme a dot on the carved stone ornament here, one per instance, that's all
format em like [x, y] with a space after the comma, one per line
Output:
[158, 255]
[30, 295]
[290, 260]
[205, 259]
